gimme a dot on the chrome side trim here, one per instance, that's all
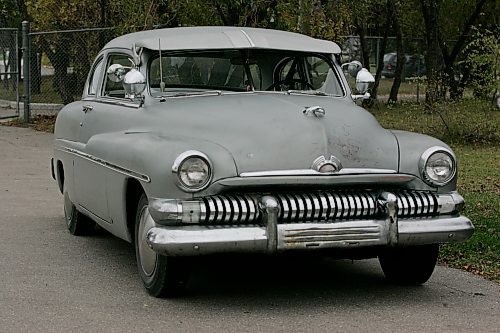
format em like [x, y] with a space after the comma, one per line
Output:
[311, 172]
[112, 101]
[92, 215]
[106, 164]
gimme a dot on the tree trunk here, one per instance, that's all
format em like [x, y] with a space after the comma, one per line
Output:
[430, 14]
[382, 50]
[449, 58]
[400, 54]
[104, 22]
[59, 59]
[35, 70]
[365, 50]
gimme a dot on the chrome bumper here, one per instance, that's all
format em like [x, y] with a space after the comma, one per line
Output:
[273, 237]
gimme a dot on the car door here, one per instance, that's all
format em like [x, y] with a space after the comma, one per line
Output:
[102, 111]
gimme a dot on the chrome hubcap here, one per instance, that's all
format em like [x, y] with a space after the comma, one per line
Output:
[147, 256]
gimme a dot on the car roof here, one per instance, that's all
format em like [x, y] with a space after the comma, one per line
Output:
[218, 37]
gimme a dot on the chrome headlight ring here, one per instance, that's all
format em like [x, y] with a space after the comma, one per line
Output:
[194, 171]
[437, 166]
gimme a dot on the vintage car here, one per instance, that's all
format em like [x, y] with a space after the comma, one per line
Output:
[205, 140]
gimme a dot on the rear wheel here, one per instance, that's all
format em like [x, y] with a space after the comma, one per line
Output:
[161, 276]
[77, 223]
[409, 265]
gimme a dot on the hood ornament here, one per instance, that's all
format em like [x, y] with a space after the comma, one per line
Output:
[322, 165]
[316, 110]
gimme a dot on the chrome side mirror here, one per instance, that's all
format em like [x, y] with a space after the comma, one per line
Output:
[353, 67]
[364, 81]
[116, 72]
[134, 84]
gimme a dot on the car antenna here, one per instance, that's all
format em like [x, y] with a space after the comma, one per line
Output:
[162, 84]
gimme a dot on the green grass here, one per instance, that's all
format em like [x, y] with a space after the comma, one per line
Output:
[479, 184]
[473, 132]
[407, 87]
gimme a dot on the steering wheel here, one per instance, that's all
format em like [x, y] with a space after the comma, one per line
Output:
[288, 82]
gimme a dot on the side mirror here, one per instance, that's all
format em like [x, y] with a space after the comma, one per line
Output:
[116, 72]
[134, 83]
[364, 81]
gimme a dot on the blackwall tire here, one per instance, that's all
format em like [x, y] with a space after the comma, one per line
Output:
[77, 223]
[409, 265]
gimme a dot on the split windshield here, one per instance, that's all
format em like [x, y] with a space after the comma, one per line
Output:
[241, 71]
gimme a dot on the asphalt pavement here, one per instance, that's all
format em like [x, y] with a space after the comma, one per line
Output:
[51, 281]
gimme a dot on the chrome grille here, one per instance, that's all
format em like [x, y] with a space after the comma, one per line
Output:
[326, 205]
[230, 209]
[416, 203]
[313, 206]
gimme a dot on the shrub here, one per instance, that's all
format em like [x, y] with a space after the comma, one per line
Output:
[463, 122]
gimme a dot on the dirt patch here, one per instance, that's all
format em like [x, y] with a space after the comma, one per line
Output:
[41, 123]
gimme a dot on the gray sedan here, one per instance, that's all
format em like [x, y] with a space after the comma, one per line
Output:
[207, 140]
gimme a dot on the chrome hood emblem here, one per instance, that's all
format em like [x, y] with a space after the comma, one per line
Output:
[322, 165]
[316, 110]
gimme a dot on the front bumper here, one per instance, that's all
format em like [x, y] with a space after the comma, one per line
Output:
[272, 237]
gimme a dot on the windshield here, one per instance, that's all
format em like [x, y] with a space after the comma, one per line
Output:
[243, 70]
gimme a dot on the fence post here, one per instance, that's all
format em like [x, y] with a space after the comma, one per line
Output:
[26, 70]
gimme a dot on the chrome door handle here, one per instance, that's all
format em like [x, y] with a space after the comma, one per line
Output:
[87, 108]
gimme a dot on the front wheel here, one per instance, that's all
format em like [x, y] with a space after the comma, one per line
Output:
[161, 276]
[411, 265]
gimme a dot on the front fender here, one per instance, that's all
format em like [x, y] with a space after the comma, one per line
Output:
[152, 155]
[411, 148]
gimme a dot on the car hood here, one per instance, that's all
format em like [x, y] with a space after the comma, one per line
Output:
[270, 131]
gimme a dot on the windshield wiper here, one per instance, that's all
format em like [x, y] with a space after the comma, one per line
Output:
[307, 92]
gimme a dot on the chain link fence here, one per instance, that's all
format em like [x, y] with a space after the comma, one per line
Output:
[9, 73]
[60, 62]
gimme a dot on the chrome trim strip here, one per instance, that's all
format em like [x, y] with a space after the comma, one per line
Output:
[109, 165]
[92, 215]
[252, 44]
[311, 172]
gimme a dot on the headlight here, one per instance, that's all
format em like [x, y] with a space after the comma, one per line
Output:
[437, 166]
[193, 169]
